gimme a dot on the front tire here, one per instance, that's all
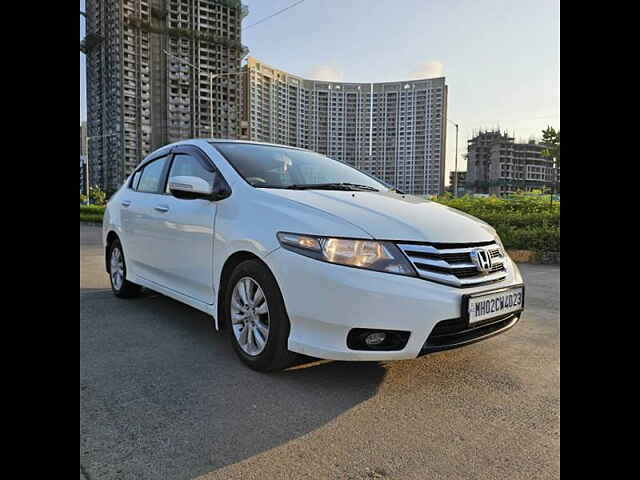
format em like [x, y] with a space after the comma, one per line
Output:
[257, 319]
[121, 287]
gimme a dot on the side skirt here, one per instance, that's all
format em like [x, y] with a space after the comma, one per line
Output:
[192, 302]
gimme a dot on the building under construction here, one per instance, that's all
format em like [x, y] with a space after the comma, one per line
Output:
[138, 97]
[499, 166]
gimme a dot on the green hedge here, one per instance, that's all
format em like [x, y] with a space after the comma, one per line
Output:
[523, 223]
[95, 209]
[91, 213]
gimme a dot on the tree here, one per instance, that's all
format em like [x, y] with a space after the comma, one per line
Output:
[97, 196]
[83, 198]
[551, 139]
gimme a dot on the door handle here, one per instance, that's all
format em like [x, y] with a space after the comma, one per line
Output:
[161, 208]
[126, 203]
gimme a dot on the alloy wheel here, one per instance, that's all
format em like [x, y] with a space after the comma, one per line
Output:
[117, 268]
[250, 316]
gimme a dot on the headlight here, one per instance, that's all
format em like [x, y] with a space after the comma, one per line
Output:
[369, 254]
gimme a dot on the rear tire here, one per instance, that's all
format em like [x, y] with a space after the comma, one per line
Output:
[256, 318]
[121, 287]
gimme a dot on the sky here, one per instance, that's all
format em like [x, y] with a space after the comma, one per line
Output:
[501, 59]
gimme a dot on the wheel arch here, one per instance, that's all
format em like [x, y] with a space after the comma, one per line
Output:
[230, 264]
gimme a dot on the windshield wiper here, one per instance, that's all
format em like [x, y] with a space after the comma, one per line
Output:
[332, 186]
[264, 185]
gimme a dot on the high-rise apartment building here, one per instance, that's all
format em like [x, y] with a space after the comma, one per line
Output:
[139, 98]
[394, 131]
[499, 166]
[83, 172]
[83, 138]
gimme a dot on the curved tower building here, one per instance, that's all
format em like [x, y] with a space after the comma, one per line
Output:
[395, 131]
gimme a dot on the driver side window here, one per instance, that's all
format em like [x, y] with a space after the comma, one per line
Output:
[186, 165]
[151, 177]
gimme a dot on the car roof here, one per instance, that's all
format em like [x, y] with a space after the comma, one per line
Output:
[250, 142]
[210, 141]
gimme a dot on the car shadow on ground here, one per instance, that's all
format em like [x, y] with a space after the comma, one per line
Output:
[162, 395]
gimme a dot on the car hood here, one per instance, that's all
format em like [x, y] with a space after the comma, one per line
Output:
[391, 216]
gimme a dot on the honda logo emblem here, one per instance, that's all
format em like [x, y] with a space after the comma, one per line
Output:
[482, 260]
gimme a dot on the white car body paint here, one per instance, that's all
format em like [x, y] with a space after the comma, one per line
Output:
[181, 253]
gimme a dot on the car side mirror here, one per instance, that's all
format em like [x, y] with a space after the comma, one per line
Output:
[190, 187]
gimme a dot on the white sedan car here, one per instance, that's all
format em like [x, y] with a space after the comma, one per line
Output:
[293, 252]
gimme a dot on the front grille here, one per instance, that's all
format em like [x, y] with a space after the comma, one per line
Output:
[445, 327]
[459, 325]
[456, 333]
[452, 264]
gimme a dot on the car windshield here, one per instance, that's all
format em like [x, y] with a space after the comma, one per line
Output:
[265, 166]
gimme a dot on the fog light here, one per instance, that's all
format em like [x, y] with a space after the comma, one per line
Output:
[375, 338]
[378, 340]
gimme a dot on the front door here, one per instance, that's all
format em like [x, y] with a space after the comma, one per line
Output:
[186, 231]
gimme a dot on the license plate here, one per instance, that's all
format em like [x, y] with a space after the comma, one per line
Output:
[485, 306]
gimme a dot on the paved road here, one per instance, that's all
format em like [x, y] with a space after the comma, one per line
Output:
[163, 396]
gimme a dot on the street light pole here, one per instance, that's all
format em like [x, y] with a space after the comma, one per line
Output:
[86, 171]
[455, 173]
[211, 104]
[212, 76]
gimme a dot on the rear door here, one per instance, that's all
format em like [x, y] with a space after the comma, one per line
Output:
[186, 232]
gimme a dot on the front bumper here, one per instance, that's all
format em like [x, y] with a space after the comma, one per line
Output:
[326, 301]
[460, 335]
